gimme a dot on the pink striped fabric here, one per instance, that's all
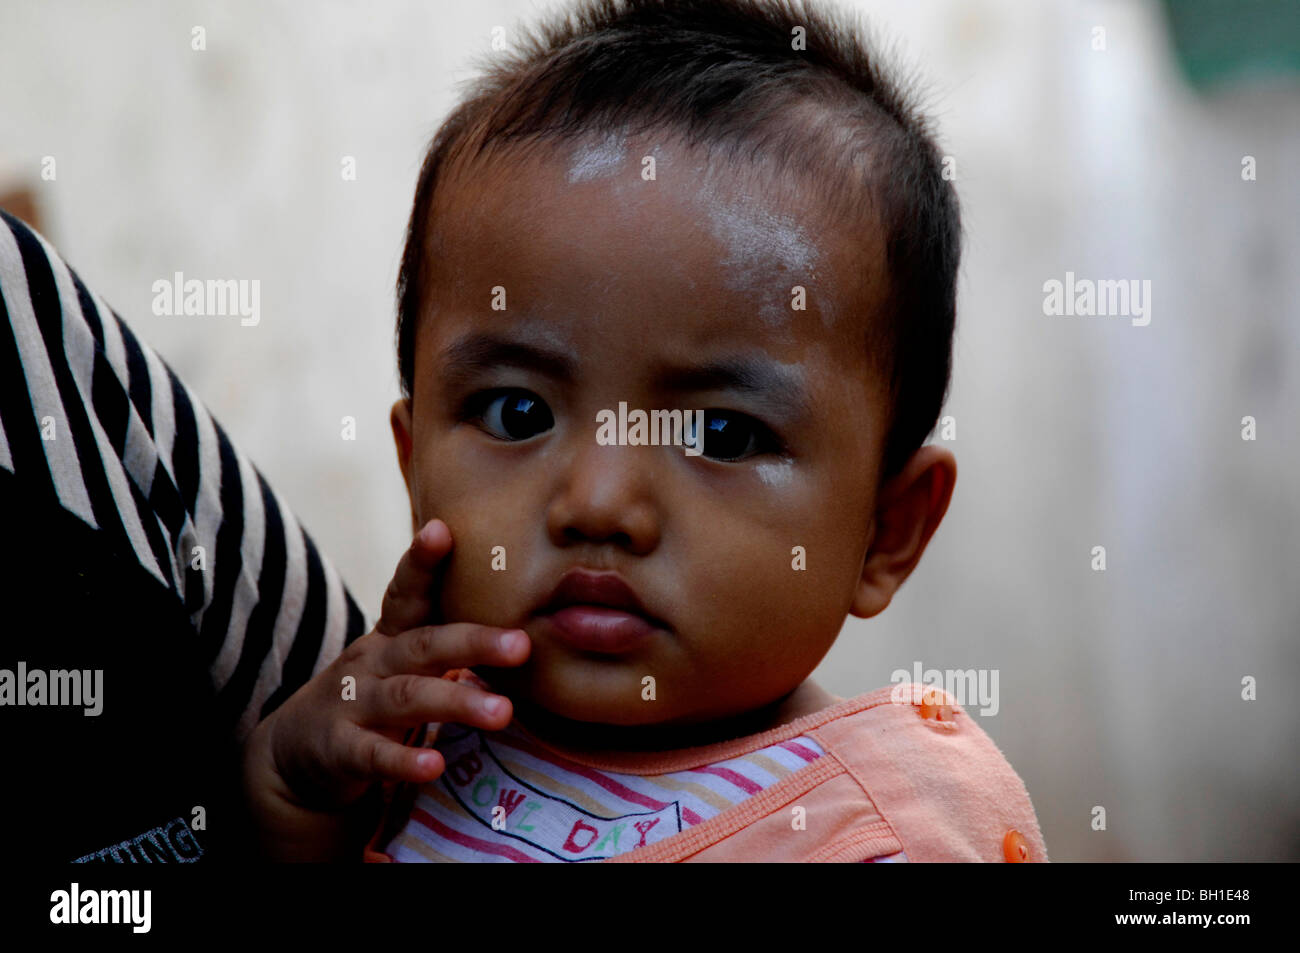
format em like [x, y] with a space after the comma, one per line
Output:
[506, 799]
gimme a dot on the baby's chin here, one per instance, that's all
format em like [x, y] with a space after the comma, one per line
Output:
[594, 692]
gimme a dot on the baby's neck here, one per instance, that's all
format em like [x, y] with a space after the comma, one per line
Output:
[589, 736]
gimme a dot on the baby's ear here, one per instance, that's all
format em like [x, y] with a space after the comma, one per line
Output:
[909, 508]
[400, 419]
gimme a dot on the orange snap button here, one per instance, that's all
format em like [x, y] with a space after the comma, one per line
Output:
[933, 708]
[1014, 847]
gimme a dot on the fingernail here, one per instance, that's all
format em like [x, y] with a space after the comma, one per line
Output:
[508, 641]
[494, 707]
[426, 761]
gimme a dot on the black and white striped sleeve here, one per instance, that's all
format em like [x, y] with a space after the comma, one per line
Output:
[94, 421]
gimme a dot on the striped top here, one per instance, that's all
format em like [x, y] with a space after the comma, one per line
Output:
[506, 798]
[92, 420]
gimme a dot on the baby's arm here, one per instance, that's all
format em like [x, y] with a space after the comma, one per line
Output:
[309, 767]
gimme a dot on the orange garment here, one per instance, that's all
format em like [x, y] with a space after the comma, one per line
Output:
[906, 768]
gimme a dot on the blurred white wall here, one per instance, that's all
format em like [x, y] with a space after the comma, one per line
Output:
[1119, 689]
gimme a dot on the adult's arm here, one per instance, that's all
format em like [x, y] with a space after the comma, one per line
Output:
[136, 541]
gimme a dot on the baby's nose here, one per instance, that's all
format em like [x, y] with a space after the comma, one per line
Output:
[607, 494]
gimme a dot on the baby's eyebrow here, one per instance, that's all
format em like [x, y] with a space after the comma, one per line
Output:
[481, 350]
[781, 390]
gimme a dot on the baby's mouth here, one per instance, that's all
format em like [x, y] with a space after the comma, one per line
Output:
[598, 612]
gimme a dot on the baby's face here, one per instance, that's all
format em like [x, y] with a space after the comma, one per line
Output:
[668, 294]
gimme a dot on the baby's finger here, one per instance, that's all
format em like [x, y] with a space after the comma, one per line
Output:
[434, 649]
[372, 756]
[410, 599]
[404, 700]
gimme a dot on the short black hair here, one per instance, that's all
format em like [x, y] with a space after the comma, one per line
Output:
[730, 74]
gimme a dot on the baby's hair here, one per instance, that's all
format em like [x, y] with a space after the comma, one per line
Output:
[730, 74]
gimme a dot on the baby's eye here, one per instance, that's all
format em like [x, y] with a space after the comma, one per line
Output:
[729, 435]
[512, 414]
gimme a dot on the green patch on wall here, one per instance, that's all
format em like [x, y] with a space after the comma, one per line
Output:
[1226, 41]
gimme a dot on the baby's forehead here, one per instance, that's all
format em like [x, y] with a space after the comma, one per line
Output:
[719, 235]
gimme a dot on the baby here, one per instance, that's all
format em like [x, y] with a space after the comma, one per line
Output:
[722, 214]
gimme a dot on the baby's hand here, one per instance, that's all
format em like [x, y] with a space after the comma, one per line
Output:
[309, 765]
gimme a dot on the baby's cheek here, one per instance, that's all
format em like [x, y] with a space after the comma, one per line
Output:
[778, 594]
[478, 585]
[458, 587]
[467, 585]
[749, 589]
